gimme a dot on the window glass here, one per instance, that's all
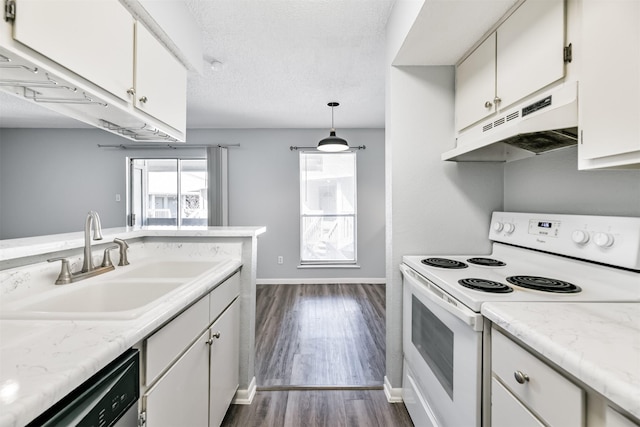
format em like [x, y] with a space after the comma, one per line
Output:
[168, 192]
[327, 207]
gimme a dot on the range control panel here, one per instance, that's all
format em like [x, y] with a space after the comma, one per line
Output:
[611, 240]
[544, 228]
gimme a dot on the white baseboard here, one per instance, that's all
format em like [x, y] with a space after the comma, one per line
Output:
[245, 397]
[321, 281]
[394, 395]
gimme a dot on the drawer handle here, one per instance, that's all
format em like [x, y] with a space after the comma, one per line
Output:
[215, 336]
[521, 377]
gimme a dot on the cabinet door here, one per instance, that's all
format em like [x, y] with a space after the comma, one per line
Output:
[507, 411]
[616, 419]
[609, 111]
[225, 363]
[160, 81]
[529, 53]
[92, 38]
[180, 397]
[476, 84]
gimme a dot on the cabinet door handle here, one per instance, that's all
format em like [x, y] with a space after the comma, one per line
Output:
[131, 91]
[488, 104]
[497, 100]
[215, 336]
[521, 377]
[144, 99]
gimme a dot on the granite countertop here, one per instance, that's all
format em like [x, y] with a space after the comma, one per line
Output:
[597, 343]
[42, 361]
[24, 247]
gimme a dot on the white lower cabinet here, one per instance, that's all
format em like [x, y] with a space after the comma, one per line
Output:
[523, 385]
[190, 367]
[507, 410]
[616, 419]
[223, 364]
[179, 397]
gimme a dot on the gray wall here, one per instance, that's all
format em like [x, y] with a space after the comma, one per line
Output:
[552, 183]
[433, 207]
[50, 178]
[264, 190]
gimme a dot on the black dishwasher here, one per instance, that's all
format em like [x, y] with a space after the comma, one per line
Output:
[106, 399]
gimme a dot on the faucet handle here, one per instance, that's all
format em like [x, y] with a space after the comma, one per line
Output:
[123, 251]
[106, 259]
[65, 274]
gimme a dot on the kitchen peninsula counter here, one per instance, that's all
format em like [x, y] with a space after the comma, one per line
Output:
[596, 343]
[41, 360]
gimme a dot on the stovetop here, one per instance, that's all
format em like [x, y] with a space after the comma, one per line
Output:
[607, 271]
[597, 283]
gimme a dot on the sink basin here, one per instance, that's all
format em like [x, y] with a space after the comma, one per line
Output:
[124, 294]
[122, 299]
[167, 269]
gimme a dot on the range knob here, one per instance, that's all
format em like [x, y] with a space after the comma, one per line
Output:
[581, 237]
[497, 226]
[604, 240]
[509, 228]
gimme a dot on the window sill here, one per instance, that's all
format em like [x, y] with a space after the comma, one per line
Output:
[304, 266]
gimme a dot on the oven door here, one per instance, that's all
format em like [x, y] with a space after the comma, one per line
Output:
[442, 344]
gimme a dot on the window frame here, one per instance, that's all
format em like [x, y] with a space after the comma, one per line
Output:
[144, 187]
[334, 262]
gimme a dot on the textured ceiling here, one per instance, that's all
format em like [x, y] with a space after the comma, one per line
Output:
[283, 60]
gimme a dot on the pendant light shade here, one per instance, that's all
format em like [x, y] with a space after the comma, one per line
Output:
[333, 143]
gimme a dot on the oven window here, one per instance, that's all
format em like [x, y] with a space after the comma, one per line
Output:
[434, 342]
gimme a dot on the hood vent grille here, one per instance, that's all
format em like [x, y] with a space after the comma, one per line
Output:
[541, 142]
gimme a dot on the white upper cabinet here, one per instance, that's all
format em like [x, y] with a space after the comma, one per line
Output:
[160, 82]
[524, 55]
[530, 47]
[609, 112]
[92, 60]
[476, 84]
[92, 38]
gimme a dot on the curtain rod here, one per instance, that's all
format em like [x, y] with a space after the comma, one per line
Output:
[294, 147]
[171, 146]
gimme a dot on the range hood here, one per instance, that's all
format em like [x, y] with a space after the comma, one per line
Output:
[544, 122]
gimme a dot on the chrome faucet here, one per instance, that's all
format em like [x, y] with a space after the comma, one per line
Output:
[88, 268]
[92, 219]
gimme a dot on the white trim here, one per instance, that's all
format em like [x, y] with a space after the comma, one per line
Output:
[245, 397]
[328, 266]
[322, 281]
[394, 395]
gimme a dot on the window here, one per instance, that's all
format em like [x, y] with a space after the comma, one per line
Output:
[327, 208]
[168, 192]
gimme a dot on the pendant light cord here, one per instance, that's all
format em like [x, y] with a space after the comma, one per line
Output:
[332, 126]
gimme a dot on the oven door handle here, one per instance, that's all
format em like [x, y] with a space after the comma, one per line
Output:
[458, 310]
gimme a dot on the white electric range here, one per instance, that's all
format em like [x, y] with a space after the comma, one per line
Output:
[534, 257]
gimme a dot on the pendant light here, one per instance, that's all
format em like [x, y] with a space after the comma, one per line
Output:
[333, 143]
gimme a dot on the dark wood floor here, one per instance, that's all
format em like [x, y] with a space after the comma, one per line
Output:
[316, 408]
[320, 335]
[309, 339]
